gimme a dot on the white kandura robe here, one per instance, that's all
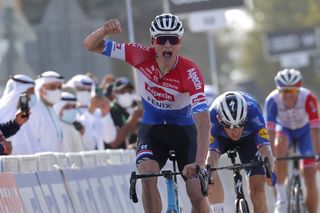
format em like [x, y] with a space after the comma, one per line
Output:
[72, 139]
[24, 141]
[47, 127]
[99, 129]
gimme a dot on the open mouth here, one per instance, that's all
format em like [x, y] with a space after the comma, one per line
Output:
[167, 54]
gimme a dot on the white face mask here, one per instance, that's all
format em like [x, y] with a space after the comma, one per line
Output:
[84, 98]
[125, 100]
[53, 96]
[32, 100]
[69, 115]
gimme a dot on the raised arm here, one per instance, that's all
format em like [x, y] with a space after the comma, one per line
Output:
[94, 42]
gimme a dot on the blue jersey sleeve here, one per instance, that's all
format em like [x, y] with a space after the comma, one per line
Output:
[271, 110]
[259, 126]
[214, 142]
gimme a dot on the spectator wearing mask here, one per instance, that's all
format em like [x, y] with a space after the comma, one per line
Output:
[23, 138]
[66, 110]
[94, 112]
[126, 122]
[44, 120]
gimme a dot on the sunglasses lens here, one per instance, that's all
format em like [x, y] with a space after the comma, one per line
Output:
[289, 90]
[161, 40]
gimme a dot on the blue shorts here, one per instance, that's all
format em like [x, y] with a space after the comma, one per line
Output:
[302, 136]
[248, 152]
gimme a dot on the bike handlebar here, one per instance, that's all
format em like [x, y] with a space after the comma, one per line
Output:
[201, 174]
[204, 180]
[299, 157]
[265, 164]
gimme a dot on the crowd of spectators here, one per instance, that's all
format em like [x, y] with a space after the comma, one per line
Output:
[80, 114]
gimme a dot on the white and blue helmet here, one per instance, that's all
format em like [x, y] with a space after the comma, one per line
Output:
[166, 24]
[288, 78]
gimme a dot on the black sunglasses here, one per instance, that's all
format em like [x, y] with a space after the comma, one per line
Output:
[161, 40]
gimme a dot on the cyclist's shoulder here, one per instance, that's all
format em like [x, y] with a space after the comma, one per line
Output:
[185, 63]
[272, 95]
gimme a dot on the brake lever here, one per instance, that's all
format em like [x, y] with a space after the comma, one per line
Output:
[133, 193]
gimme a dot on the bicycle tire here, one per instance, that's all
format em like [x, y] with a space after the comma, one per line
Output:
[242, 206]
[296, 200]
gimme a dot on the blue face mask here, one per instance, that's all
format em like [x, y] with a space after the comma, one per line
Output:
[69, 115]
[32, 100]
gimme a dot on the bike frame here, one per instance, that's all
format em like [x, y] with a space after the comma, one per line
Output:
[171, 182]
[172, 192]
[294, 186]
[237, 177]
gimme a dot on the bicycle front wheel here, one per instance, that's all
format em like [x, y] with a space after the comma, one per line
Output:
[296, 200]
[242, 206]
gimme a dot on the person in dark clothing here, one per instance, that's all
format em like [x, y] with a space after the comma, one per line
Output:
[8, 129]
[126, 123]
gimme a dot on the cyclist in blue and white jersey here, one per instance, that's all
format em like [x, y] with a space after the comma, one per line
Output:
[292, 114]
[237, 120]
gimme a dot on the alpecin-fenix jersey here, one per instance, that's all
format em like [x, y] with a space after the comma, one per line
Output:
[168, 99]
[304, 112]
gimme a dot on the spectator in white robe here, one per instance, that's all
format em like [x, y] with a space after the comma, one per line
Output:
[94, 113]
[44, 120]
[24, 141]
[66, 110]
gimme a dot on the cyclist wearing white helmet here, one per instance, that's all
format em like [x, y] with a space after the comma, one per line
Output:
[292, 115]
[172, 93]
[237, 121]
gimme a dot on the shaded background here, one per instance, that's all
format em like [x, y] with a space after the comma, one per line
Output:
[40, 35]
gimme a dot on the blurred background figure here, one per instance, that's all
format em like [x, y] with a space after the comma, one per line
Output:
[211, 93]
[24, 141]
[93, 112]
[44, 120]
[82, 84]
[126, 113]
[66, 110]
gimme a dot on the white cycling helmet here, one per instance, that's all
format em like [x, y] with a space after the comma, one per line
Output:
[288, 78]
[233, 109]
[166, 24]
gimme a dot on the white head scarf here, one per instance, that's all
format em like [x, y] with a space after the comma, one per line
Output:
[80, 81]
[66, 97]
[47, 77]
[15, 86]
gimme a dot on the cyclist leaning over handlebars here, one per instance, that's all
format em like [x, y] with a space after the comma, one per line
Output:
[237, 120]
[292, 115]
[175, 111]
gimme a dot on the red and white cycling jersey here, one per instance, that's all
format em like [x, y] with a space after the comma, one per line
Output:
[170, 99]
[305, 111]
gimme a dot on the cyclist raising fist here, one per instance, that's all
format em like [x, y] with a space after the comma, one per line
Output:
[292, 114]
[237, 121]
[175, 111]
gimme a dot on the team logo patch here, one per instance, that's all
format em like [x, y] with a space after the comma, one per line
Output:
[211, 139]
[263, 133]
[159, 93]
[198, 99]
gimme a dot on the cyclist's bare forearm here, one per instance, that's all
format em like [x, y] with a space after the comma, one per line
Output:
[272, 135]
[265, 151]
[203, 136]
[315, 139]
[95, 41]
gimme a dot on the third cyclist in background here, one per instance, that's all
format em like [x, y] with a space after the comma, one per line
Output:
[237, 121]
[292, 114]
